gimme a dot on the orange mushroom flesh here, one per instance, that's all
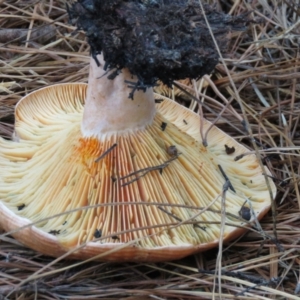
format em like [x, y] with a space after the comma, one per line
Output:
[77, 180]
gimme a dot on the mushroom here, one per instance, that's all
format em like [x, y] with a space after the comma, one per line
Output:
[94, 173]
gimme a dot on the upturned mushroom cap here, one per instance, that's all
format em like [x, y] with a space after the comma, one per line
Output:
[148, 195]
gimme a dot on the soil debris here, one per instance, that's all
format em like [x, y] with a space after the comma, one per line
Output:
[156, 40]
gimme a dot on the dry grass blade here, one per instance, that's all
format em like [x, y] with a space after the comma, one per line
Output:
[259, 81]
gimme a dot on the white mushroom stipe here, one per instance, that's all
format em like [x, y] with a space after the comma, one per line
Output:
[109, 110]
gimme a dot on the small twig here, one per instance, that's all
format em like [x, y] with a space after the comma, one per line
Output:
[281, 182]
[265, 235]
[214, 122]
[200, 111]
[228, 103]
[227, 183]
[203, 137]
[169, 214]
[106, 152]
[109, 76]
[226, 186]
[297, 289]
[270, 152]
[147, 170]
[178, 219]
[263, 283]
[114, 74]
[135, 86]
[185, 91]
[40, 34]
[237, 274]
[243, 276]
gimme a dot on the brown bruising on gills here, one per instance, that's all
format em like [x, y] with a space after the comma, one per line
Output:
[132, 153]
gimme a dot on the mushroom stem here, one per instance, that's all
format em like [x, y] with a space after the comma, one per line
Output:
[108, 108]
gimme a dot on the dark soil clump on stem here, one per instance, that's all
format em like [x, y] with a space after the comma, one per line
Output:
[155, 39]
